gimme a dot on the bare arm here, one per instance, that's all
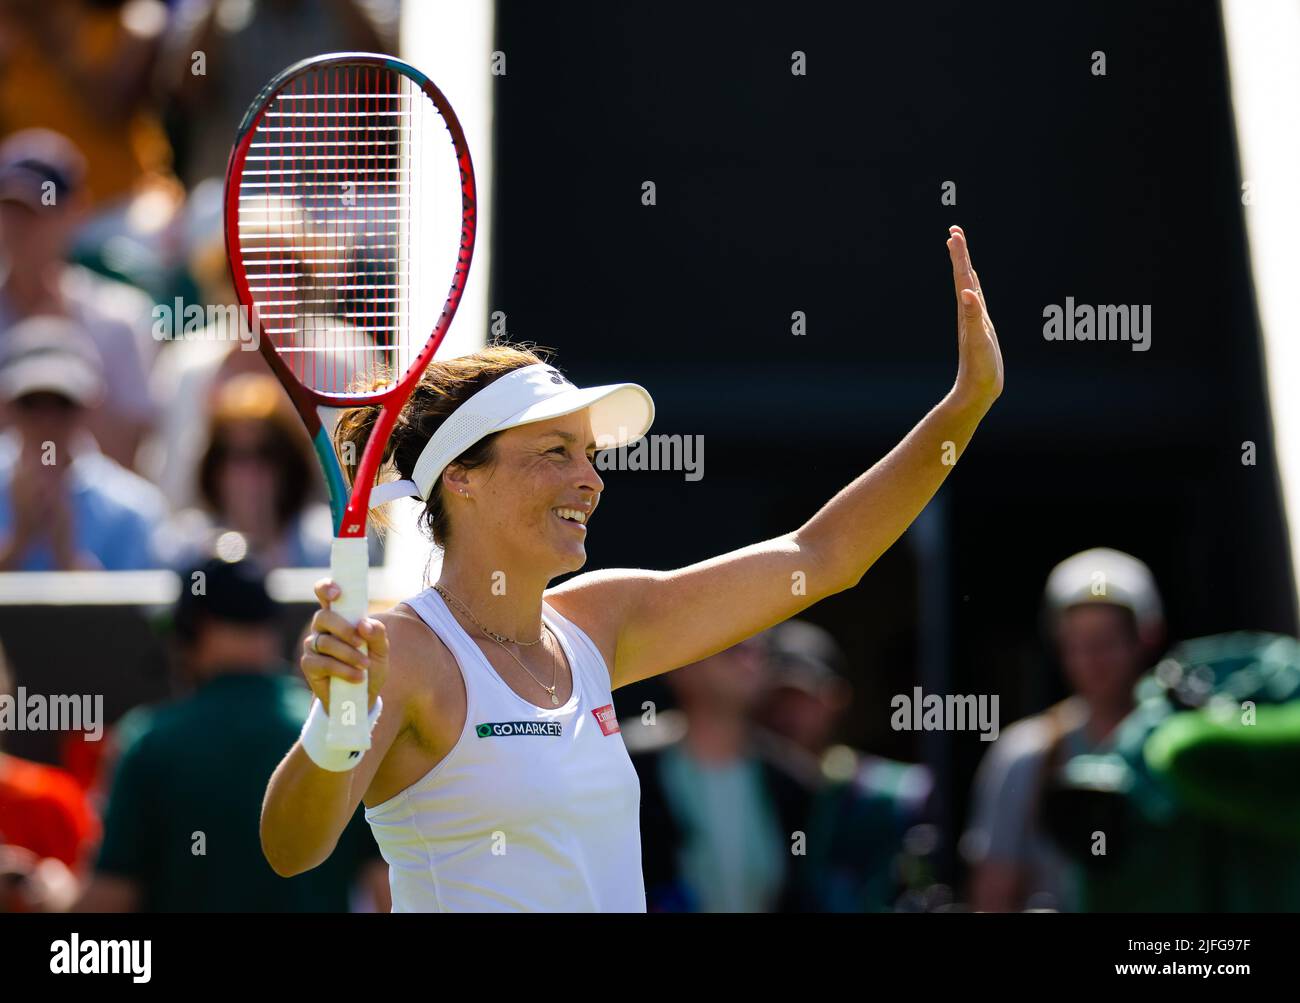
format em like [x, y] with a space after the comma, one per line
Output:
[658, 621]
[307, 808]
[851, 531]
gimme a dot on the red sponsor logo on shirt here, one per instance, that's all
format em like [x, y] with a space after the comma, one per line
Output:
[606, 718]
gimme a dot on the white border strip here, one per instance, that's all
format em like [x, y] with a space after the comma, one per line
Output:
[161, 588]
[452, 43]
[1263, 39]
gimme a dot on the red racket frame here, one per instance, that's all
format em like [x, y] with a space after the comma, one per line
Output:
[350, 507]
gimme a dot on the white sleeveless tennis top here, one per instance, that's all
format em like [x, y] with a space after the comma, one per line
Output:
[533, 809]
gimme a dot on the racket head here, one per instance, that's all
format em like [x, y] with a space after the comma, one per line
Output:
[350, 200]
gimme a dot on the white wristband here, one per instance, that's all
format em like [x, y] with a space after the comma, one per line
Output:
[313, 739]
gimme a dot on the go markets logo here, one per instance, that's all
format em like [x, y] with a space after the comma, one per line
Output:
[505, 729]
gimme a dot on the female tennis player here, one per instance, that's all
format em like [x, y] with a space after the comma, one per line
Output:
[497, 779]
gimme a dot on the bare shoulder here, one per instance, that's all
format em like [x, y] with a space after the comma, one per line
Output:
[424, 680]
[423, 677]
[598, 602]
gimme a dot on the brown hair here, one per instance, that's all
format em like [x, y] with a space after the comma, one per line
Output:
[443, 387]
[258, 397]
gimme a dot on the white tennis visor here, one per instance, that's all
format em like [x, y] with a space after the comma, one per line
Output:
[621, 413]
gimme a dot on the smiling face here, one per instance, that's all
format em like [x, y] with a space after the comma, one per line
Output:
[531, 504]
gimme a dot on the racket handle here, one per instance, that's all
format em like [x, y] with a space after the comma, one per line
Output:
[349, 702]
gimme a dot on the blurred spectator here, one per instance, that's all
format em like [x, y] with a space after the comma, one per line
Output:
[41, 206]
[256, 477]
[718, 813]
[219, 52]
[865, 805]
[1107, 623]
[807, 693]
[46, 828]
[64, 506]
[190, 371]
[85, 69]
[181, 826]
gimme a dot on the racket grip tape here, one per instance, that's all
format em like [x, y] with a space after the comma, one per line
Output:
[349, 702]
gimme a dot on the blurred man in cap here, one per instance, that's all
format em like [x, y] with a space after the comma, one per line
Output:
[806, 696]
[40, 168]
[64, 506]
[42, 202]
[181, 825]
[1105, 617]
[865, 805]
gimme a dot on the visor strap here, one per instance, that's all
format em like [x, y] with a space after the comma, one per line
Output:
[382, 494]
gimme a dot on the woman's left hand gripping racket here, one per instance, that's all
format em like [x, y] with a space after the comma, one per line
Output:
[349, 202]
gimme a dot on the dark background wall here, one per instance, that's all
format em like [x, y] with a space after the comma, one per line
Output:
[821, 193]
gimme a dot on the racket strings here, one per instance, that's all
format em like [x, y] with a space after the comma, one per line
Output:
[337, 219]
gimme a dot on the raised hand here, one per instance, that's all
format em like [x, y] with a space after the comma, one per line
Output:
[979, 366]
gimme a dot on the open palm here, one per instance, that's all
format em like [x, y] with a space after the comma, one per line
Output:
[979, 366]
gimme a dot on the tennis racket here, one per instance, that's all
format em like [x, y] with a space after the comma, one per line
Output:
[350, 200]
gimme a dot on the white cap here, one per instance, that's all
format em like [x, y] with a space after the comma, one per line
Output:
[1102, 575]
[620, 414]
[50, 354]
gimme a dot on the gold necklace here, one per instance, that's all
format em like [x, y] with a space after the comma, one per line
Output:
[555, 664]
[499, 638]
